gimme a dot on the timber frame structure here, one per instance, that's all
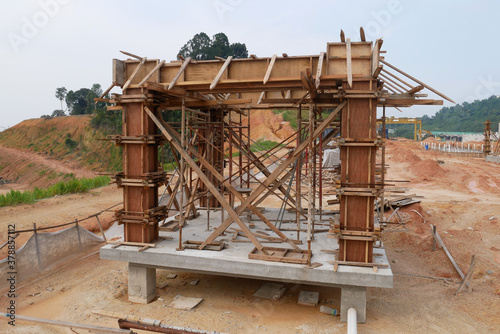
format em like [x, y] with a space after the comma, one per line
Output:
[346, 82]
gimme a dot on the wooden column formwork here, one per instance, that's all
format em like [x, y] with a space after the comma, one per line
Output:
[357, 173]
[140, 166]
[343, 81]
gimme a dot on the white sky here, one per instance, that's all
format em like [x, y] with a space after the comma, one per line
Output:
[450, 45]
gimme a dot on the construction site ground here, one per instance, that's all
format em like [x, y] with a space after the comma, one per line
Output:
[461, 196]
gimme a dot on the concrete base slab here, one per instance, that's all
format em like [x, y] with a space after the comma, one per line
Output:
[233, 260]
[270, 291]
[141, 283]
[354, 297]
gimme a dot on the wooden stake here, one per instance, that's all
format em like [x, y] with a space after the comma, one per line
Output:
[468, 278]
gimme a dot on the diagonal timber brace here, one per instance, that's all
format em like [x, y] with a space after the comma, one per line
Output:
[174, 134]
[205, 180]
[256, 193]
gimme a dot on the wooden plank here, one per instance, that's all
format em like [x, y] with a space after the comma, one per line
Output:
[221, 72]
[468, 278]
[178, 75]
[284, 255]
[194, 244]
[349, 62]
[415, 90]
[143, 60]
[131, 55]
[151, 73]
[269, 69]
[441, 243]
[319, 70]
[262, 95]
[375, 58]
[417, 81]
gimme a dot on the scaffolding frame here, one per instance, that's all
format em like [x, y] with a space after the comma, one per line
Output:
[345, 80]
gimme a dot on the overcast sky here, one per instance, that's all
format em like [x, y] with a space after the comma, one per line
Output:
[45, 44]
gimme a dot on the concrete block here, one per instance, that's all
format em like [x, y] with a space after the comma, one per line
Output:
[308, 298]
[353, 296]
[141, 284]
[270, 291]
[185, 303]
[492, 158]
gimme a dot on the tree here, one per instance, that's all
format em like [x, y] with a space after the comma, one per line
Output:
[239, 50]
[220, 46]
[201, 47]
[82, 102]
[58, 113]
[196, 47]
[61, 95]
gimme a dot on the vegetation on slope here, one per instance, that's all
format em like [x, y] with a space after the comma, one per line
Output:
[61, 188]
[70, 138]
[465, 117]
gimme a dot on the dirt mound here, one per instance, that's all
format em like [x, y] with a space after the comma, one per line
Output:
[41, 152]
[266, 125]
[404, 155]
[430, 140]
[427, 169]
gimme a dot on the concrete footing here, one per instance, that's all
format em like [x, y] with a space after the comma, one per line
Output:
[141, 283]
[353, 297]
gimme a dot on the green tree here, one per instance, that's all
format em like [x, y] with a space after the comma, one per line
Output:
[201, 47]
[465, 117]
[239, 50]
[82, 102]
[61, 95]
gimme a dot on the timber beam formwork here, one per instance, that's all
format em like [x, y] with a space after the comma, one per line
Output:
[340, 88]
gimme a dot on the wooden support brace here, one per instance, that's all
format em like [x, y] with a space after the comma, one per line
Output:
[468, 278]
[417, 81]
[221, 72]
[269, 69]
[129, 81]
[320, 69]
[151, 73]
[349, 62]
[178, 75]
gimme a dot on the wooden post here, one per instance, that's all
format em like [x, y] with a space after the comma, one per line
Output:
[181, 175]
[310, 207]
[298, 178]
[40, 264]
[382, 177]
[102, 230]
[433, 239]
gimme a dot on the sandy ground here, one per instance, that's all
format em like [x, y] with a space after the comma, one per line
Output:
[461, 197]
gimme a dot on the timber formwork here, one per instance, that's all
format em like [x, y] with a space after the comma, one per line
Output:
[336, 95]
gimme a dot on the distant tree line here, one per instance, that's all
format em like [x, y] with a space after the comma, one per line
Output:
[465, 117]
